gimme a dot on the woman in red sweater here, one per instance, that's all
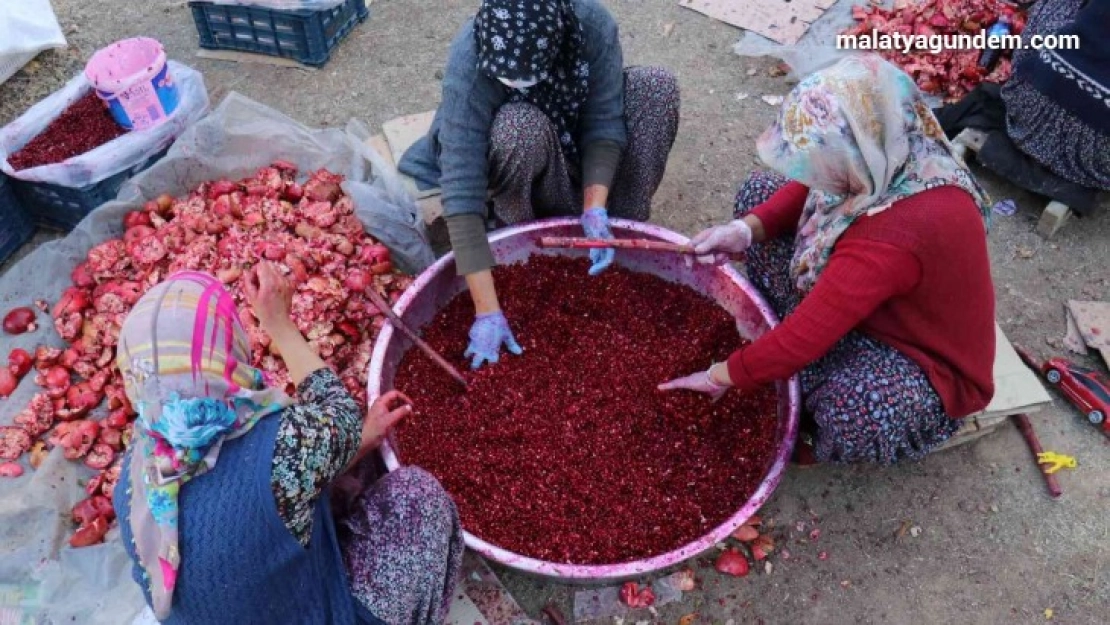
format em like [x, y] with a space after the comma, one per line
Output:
[874, 254]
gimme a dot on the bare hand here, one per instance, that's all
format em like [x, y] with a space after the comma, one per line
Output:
[270, 295]
[384, 413]
[700, 382]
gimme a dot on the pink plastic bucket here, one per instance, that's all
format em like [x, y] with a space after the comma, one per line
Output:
[724, 285]
[132, 77]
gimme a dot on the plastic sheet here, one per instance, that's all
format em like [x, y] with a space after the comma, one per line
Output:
[39, 574]
[113, 157]
[815, 50]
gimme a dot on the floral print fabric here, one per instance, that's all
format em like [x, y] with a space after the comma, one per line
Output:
[861, 137]
[317, 439]
[537, 40]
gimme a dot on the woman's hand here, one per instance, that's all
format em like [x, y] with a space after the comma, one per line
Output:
[709, 382]
[717, 245]
[384, 413]
[595, 223]
[270, 295]
[488, 333]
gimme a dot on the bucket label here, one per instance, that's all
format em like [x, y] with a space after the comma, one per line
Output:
[142, 105]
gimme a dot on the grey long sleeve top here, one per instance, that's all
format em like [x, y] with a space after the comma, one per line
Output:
[455, 154]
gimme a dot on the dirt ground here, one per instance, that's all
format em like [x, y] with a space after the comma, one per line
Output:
[992, 546]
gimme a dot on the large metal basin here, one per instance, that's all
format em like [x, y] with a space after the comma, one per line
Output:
[436, 286]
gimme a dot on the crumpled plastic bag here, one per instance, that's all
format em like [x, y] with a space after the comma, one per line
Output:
[815, 50]
[27, 27]
[127, 151]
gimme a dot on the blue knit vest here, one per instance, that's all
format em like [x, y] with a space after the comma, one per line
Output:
[240, 565]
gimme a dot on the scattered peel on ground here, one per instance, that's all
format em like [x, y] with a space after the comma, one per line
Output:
[636, 597]
[732, 562]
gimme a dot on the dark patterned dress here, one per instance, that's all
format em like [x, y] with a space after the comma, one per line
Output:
[399, 533]
[1042, 128]
[530, 176]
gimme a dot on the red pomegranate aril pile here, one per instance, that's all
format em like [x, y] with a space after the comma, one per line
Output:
[223, 228]
[568, 453]
[952, 73]
[85, 125]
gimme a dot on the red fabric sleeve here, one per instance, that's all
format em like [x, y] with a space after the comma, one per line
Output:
[781, 212]
[860, 276]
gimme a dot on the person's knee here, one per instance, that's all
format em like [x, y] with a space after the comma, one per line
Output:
[756, 189]
[657, 83]
[420, 495]
[520, 131]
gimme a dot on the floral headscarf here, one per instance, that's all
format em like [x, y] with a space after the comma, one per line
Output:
[185, 361]
[861, 137]
[537, 40]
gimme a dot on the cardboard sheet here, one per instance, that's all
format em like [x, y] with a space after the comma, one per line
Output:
[1092, 321]
[784, 21]
[1016, 388]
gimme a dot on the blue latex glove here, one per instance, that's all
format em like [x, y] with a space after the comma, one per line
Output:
[595, 222]
[486, 336]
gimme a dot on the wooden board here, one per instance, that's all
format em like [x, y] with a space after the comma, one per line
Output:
[784, 21]
[248, 57]
[401, 133]
[1017, 390]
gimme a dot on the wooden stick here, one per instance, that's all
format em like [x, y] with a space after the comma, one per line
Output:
[387, 310]
[1026, 429]
[621, 244]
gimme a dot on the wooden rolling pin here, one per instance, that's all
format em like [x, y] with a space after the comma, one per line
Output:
[387, 310]
[620, 244]
[1026, 429]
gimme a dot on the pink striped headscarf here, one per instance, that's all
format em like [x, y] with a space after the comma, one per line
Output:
[185, 361]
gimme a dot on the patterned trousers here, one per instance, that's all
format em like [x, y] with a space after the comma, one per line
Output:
[867, 401]
[401, 541]
[530, 178]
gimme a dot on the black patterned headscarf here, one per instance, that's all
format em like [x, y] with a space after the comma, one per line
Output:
[541, 41]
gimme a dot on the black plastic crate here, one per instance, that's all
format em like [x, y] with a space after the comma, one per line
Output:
[16, 228]
[62, 208]
[302, 35]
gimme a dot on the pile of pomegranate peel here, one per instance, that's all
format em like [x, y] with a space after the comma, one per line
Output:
[223, 228]
[952, 73]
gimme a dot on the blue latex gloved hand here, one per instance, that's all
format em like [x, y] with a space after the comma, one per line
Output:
[486, 336]
[595, 222]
